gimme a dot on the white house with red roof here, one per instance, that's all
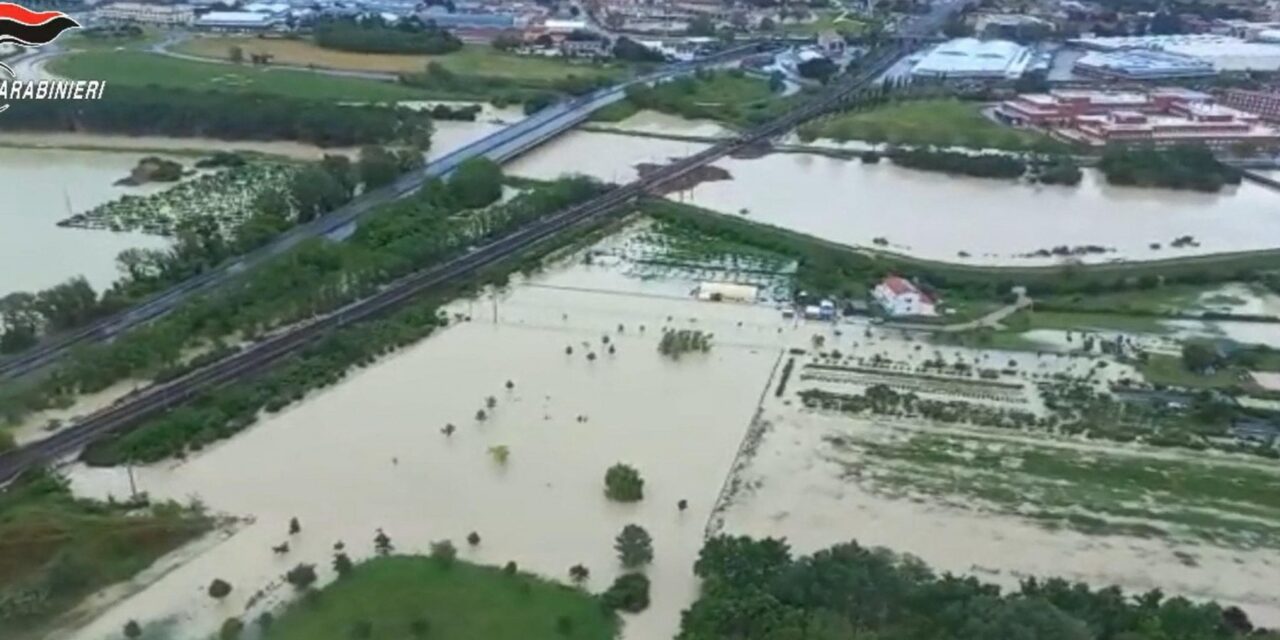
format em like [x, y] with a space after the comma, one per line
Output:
[901, 297]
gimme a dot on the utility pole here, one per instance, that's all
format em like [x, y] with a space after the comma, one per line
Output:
[133, 485]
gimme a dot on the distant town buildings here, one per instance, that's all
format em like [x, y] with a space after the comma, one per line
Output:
[1160, 117]
[970, 58]
[900, 297]
[168, 15]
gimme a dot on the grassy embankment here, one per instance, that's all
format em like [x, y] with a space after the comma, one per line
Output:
[458, 602]
[941, 122]
[56, 549]
[730, 97]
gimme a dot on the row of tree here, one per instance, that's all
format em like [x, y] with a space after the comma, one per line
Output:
[371, 34]
[756, 590]
[141, 111]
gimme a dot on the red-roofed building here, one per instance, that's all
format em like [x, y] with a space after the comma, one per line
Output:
[900, 297]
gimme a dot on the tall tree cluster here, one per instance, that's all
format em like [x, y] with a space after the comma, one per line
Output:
[756, 590]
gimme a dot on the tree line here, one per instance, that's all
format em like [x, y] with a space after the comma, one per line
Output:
[372, 34]
[757, 590]
[140, 111]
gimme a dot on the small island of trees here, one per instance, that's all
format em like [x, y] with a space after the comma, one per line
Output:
[623, 483]
[1178, 167]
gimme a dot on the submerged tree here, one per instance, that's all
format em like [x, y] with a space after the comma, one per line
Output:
[676, 342]
[634, 546]
[630, 592]
[444, 553]
[623, 483]
[382, 543]
[219, 589]
[500, 453]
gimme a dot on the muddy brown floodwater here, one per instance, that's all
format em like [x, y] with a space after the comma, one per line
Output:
[369, 453]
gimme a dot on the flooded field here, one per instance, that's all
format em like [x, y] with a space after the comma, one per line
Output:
[579, 344]
[370, 453]
[968, 220]
[803, 486]
[39, 184]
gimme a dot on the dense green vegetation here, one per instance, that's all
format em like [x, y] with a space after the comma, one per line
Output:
[1178, 167]
[178, 112]
[122, 69]
[921, 122]
[727, 96]
[55, 549]
[623, 483]
[416, 597]
[756, 590]
[373, 35]
[315, 278]
[987, 165]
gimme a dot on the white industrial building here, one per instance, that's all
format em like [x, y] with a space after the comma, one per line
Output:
[900, 297]
[147, 13]
[238, 21]
[1142, 64]
[1225, 53]
[976, 59]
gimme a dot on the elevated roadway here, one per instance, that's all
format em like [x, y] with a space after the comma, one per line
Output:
[500, 146]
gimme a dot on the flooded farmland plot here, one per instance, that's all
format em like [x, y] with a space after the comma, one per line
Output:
[580, 346]
[974, 475]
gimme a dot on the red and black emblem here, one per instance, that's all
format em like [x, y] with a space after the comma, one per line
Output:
[23, 26]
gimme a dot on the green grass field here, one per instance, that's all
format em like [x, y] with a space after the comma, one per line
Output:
[137, 68]
[461, 602]
[945, 122]
[56, 549]
[474, 60]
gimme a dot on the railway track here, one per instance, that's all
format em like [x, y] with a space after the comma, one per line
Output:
[160, 397]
